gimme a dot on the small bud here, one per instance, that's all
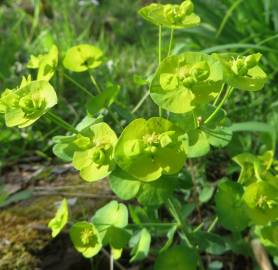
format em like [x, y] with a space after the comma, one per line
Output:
[238, 67]
[98, 156]
[186, 7]
[252, 60]
[200, 71]
[188, 82]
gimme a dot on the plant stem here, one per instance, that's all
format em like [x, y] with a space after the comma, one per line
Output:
[159, 43]
[195, 194]
[99, 92]
[171, 42]
[212, 225]
[59, 121]
[95, 83]
[78, 85]
[219, 95]
[173, 211]
[152, 225]
[159, 58]
[141, 101]
[228, 92]
[111, 261]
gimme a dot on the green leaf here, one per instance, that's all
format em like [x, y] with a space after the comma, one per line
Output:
[88, 121]
[103, 100]
[112, 214]
[181, 84]
[198, 144]
[123, 185]
[206, 193]
[257, 127]
[147, 149]
[17, 197]
[85, 239]
[171, 16]
[83, 57]
[210, 243]
[157, 192]
[230, 207]
[116, 237]
[57, 223]
[178, 258]
[219, 137]
[248, 173]
[268, 234]
[140, 244]
[170, 236]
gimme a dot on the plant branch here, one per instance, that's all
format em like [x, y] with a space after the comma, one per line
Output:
[173, 211]
[81, 87]
[107, 254]
[59, 121]
[171, 42]
[227, 94]
[141, 101]
[159, 57]
[212, 225]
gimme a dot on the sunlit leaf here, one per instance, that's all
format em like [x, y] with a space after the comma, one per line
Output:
[57, 223]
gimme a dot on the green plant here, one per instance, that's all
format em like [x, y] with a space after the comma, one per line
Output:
[147, 161]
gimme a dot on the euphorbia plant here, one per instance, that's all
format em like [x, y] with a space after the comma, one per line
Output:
[146, 160]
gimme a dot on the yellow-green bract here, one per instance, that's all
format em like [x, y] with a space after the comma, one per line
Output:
[110, 221]
[182, 82]
[95, 160]
[172, 16]
[243, 72]
[57, 223]
[149, 148]
[85, 238]
[83, 57]
[262, 201]
[45, 63]
[25, 105]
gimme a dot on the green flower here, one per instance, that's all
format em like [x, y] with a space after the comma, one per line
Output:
[83, 57]
[45, 63]
[85, 239]
[243, 72]
[172, 16]
[185, 81]
[94, 158]
[25, 105]
[262, 201]
[149, 148]
[57, 223]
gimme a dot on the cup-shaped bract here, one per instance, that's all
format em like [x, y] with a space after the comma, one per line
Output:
[65, 146]
[83, 57]
[170, 15]
[45, 63]
[85, 238]
[25, 105]
[95, 161]
[262, 201]
[149, 148]
[243, 72]
[185, 81]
